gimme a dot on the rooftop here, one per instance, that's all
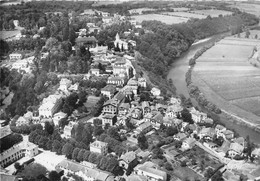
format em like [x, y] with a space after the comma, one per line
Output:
[128, 157]
[98, 144]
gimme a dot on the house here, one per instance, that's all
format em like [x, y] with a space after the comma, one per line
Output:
[64, 85]
[157, 119]
[168, 121]
[136, 113]
[116, 80]
[142, 155]
[22, 121]
[15, 56]
[224, 148]
[95, 71]
[227, 134]
[123, 109]
[107, 20]
[188, 143]
[220, 129]
[235, 149]
[58, 116]
[197, 116]
[83, 171]
[68, 129]
[110, 106]
[151, 171]
[122, 67]
[210, 145]
[256, 153]
[109, 119]
[142, 82]
[109, 91]
[146, 107]
[144, 127]
[240, 141]
[128, 160]
[74, 87]
[120, 43]
[89, 42]
[155, 91]
[50, 105]
[99, 147]
[180, 136]
[207, 133]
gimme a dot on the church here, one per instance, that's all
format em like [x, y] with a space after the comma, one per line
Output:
[120, 43]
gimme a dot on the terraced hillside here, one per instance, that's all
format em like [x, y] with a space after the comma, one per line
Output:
[227, 79]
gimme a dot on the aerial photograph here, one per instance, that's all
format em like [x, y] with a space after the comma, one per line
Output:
[130, 90]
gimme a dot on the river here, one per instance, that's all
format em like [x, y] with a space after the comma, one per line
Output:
[177, 74]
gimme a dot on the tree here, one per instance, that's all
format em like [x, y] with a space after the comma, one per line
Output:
[17, 166]
[186, 116]
[67, 150]
[217, 176]
[209, 173]
[43, 142]
[103, 163]
[98, 130]
[142, 141]
[48, 127]
[80, 156]
[170, 131]
[92, 157]
[113, 133]
[97, 122]
[168, 166]
[54, 176]
[56, 147]
[247, 34]
[75, 153]
[86, 155]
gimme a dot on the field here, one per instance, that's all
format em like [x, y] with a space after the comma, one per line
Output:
[8, 34]
[225, 76]
[163, 18]
[212, 12]
[185, 15]
[249, 8]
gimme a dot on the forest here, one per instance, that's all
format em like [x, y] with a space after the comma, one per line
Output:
[164, 43]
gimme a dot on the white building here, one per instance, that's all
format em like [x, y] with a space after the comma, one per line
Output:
[68, 128]
[99, 147]
[151, 171]
[120, 43]
[155, 91]
[18, 151]
[15, 56]
[50, 105]
[57, 117]
[64, 85]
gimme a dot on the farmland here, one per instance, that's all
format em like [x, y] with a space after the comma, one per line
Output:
[8, 34]
[227, 79]
[249, 8]
[185, 15]
[212, 12]
[163, 18]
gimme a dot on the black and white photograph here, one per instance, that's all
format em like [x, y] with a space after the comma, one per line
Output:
[130, 90]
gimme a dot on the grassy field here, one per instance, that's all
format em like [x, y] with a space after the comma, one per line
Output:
[8, 34]
[225, 76]
[249, 8]
[163, 18]
[185, 15]
[212, 12]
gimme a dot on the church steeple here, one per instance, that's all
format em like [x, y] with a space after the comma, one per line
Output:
[117, 37]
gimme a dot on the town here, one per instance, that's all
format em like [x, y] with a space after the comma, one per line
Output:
[87, 110]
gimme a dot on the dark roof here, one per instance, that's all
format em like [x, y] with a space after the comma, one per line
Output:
[86, 39]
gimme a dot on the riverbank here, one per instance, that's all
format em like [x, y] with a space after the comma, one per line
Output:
[177, 74]
[203, 77]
